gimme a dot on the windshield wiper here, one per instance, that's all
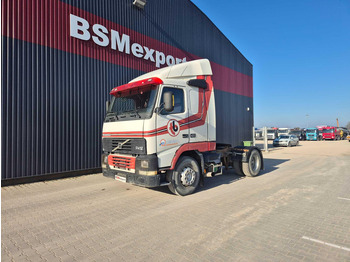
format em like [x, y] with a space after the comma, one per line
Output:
[133, 111]
[112, 113]
[137, 113]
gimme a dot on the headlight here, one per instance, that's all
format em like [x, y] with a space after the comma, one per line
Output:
[104, 161]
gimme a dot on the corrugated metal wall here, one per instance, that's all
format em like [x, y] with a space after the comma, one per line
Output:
[54, 87]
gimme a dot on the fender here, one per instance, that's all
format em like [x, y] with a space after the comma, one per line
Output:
[198, 146]
[242, 153]
[198, 156]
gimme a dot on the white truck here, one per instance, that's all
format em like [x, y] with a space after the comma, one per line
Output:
[272, 133]
[160, 130]
[283, 131]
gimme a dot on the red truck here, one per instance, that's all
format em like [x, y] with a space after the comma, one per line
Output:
[331, 133]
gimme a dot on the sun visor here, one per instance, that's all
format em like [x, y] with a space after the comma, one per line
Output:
[141, 84]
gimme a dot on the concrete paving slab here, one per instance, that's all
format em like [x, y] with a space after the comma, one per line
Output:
[299, 195]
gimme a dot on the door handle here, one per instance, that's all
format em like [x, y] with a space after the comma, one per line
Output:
[185, 135]
[193, 135]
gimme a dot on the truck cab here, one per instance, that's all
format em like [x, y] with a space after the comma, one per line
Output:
[283, 131]
[272, 133]
[312, 134]
[300, 134]
[330, 133]
[160, 129]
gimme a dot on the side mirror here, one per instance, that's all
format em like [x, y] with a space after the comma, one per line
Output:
[168, 101]
[108, 103]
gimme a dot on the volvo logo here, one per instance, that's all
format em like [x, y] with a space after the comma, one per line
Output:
[120, 145]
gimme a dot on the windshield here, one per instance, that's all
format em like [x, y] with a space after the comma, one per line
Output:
[328, 130]
[283, 131]
[283, 137]
[310, 130]
[137, 104]
[296, 132]
[271, 131]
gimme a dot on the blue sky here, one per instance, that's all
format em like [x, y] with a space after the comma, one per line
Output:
[300, 51]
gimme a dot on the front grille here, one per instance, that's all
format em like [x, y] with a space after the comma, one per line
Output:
[122, 162]
[133, 146]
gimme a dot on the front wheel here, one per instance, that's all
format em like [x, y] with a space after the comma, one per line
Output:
[185, 177]
[253, 167]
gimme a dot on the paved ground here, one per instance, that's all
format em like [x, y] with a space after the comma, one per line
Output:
[297, 210]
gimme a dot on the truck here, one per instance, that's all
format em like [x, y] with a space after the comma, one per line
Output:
[343, 133]
[272, 133]
[300, 134]
[259, 134]
[330, 133]
[320, 131]
[160, 130]
[312, 134]
[283, 131]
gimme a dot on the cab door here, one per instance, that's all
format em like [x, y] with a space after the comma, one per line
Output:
[172, 127]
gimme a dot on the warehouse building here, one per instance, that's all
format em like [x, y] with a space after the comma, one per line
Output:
[61, 58]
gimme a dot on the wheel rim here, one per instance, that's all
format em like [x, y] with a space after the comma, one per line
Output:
[254, 163]
[187, 176]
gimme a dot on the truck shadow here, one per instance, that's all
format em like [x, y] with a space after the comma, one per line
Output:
[270, 147]
[229, 176]
[271, 165]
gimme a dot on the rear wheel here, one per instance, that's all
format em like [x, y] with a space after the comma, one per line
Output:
[253, 167]
[185, 177]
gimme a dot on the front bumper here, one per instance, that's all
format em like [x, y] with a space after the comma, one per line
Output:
[311, 138]
[143, 172]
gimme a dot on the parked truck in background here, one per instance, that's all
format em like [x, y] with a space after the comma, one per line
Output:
[312, 134]
[272, 133]
[343, 133]
[320, 131]
[259, 134]
[300, 134]
[330, 133]
[283, 131]
[160, 130]
[346, 133]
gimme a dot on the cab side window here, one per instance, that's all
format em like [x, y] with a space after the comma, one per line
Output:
[179, 102]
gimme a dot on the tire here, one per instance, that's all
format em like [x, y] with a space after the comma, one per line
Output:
[237, 165]
[185, 177]
[289, 145]
[253, 167]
